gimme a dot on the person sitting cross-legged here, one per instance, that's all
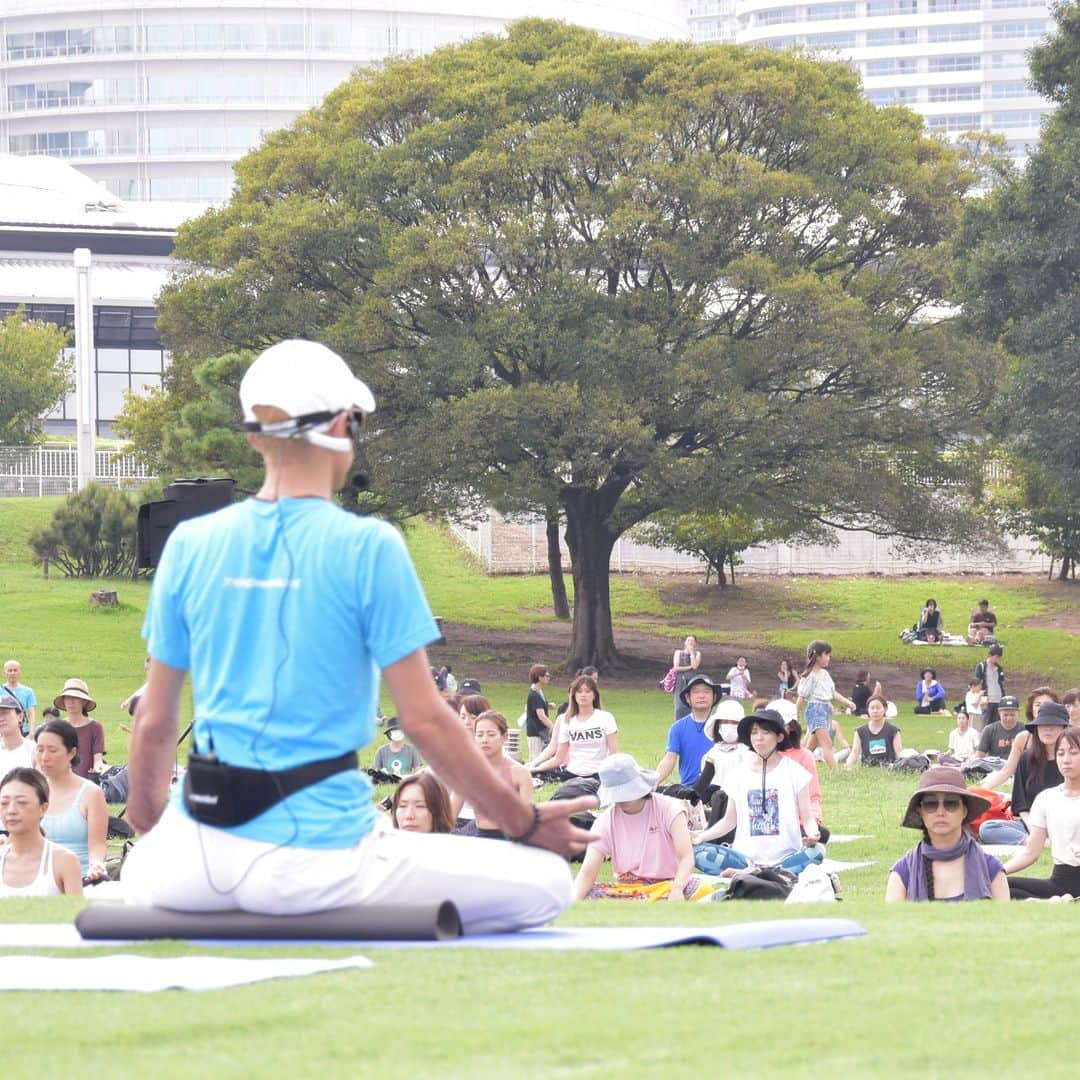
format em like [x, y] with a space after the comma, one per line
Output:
[645, 835]
[768, 806]
[947, 864]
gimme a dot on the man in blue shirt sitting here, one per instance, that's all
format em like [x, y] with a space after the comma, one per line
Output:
[286, 609]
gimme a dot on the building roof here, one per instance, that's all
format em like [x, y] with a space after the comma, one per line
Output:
[44, 191]
[42, 279]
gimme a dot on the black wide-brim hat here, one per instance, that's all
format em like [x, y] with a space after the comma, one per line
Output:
[769, 718]
[685, 694]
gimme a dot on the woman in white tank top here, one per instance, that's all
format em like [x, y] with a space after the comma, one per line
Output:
[29, 864]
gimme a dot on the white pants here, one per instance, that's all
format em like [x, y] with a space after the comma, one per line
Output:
[495, 885]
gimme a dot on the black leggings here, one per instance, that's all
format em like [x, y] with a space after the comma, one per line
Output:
[1063, 879]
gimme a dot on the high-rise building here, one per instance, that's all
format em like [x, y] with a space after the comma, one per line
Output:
[962, 64]
[157, 98]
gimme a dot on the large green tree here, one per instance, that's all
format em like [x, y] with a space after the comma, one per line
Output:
[1020, 256]
[34, 376]
[612, 280]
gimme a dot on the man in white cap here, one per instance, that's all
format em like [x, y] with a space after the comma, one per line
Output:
[285, 608]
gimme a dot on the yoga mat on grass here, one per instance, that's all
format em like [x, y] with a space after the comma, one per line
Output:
[148, 974]
[749, 935]
[367, 922]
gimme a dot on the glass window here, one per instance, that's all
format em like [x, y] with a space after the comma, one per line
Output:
[881, 67]
[822, 12]
[935, 7]
[146, 360]
[939, 94]
[164, 38]
[1008, 60]
[111, 387]
[834, 41]
[113, 328]
[967, 32]
[1010, 90]
[1031, 29]
[876, 8]
[1015, 119]
[954, 63]
[285, 36]
[112, 359]
[140, 383]
[959, 122]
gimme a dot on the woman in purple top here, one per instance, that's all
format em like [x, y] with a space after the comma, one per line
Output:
[947, 864]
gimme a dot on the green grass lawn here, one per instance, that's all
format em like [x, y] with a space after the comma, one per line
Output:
[945, 990]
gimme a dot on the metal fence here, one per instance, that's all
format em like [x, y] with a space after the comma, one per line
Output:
[53, 470]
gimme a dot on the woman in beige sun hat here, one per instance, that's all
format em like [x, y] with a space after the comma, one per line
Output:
[76, 701]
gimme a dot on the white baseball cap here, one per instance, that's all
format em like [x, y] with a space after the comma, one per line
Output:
[300, 378]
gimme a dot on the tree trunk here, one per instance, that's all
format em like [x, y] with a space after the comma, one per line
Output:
[731, 563]
[592, 639]
[554, 554]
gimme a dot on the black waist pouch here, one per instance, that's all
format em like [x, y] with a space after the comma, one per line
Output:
[227, 795]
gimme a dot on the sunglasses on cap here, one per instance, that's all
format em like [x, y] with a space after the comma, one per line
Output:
[934, 802]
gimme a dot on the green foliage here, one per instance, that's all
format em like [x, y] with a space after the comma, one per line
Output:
[719, 539]
[33, 373]
[91, 535]
[616, 279]
[1018, 249]
[193, 425]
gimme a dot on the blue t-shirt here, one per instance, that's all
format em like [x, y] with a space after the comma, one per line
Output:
[26, 698]
[284, 613]
[686, 737]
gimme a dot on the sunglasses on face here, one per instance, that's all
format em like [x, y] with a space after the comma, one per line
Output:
[932, 802]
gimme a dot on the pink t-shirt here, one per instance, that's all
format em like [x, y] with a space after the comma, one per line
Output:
[807, 760]
[640, 844]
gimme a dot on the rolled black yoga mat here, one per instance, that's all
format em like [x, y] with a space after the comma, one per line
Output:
[411, 922]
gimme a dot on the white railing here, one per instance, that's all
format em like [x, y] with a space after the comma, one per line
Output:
[53, 470]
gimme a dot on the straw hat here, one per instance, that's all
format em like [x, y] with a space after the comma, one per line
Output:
[75, 688]
[943, 780]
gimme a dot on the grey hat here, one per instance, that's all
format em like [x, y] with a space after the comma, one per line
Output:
[469, 686]
[622, 779]
[1008, 702]
[9, 701]
[684, 697]
[1050, 715]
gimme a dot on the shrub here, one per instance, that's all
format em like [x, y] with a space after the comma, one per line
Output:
[91, 535]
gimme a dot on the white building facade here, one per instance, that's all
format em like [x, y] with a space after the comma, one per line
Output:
[962, 64]
[157, 99]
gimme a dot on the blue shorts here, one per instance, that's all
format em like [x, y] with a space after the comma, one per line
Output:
[818, 714]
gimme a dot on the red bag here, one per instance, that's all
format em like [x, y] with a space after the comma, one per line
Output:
[1000, 808]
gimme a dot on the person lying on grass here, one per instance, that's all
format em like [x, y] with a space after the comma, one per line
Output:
[31, 865]
[877, 742]
[1055, 814]
[645, 835]
[768, 806]
[947, 864]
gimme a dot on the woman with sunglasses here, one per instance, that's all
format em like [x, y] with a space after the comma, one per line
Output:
[947, 864]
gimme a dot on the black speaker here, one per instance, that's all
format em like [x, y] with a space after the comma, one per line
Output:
[183, 499]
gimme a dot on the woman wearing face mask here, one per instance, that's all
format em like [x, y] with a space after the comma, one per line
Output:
[947, 864]
[726, 757]
[768, 806]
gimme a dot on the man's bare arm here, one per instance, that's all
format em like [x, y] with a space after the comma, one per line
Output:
[153, 745]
